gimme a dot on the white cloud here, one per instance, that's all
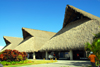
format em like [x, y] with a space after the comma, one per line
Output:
[1, 47]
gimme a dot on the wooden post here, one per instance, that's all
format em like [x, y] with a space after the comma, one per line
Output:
[34, 56]
[86, 54]
[46, 55]
[71, 55]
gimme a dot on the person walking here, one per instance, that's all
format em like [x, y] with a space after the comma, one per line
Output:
[92, 59]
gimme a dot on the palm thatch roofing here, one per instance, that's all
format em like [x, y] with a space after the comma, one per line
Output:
[78, 28]
[72, 13]
[33, 39]
[11, 42]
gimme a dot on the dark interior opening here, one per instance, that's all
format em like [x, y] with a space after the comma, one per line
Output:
[7, 42]
[30, 55]
[26, 34]
[40, 55]
[71, 16]
[77, 54]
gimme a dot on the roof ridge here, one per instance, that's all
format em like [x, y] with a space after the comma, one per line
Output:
[38, 30]
[81, 11]
[10, 37]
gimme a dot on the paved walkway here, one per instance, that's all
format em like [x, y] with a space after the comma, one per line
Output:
[63, 63]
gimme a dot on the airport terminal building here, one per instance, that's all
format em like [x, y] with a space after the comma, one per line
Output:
[68, 43]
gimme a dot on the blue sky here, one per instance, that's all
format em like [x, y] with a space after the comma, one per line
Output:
[47, 15]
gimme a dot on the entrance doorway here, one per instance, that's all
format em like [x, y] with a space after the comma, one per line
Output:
[77, 54]
[30, 55]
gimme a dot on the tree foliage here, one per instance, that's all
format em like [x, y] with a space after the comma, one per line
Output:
[94, 47]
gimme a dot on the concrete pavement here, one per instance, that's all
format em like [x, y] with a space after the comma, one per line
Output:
[63, 63]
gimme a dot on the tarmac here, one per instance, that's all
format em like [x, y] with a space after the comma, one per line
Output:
[63, 63]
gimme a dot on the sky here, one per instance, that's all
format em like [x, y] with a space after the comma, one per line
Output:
[47, 15]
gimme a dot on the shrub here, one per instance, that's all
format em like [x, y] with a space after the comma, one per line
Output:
[12, 55]
[19, 58]
[1, 56]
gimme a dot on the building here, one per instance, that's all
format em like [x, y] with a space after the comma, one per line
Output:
[78, 28]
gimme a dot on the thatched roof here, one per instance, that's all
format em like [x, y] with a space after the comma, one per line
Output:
[11, 42]
[72, 12]
[76, 31]
[33, 39]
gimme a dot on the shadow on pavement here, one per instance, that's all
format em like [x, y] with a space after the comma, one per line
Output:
[74, 63]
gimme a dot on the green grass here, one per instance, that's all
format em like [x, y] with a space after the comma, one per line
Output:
[91, 66]
[18, 65]
[31, 62]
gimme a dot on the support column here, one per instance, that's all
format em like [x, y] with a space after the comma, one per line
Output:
[59, 54]
[33, 55]
[86, 53]
[46, 55]
[71, 55]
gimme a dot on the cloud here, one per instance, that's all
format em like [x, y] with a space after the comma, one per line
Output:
[1, 47]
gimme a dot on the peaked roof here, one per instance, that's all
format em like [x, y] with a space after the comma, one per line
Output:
[78, 28]
[72, 12]
[33, 39]
[11, 42]
[36, 33]
[74, 38]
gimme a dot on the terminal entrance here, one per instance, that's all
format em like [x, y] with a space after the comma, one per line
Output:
[79, 54]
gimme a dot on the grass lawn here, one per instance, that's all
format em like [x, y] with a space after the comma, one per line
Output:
[33, 62]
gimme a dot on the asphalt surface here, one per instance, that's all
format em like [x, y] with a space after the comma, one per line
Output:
[1, 65]
[63, 63]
